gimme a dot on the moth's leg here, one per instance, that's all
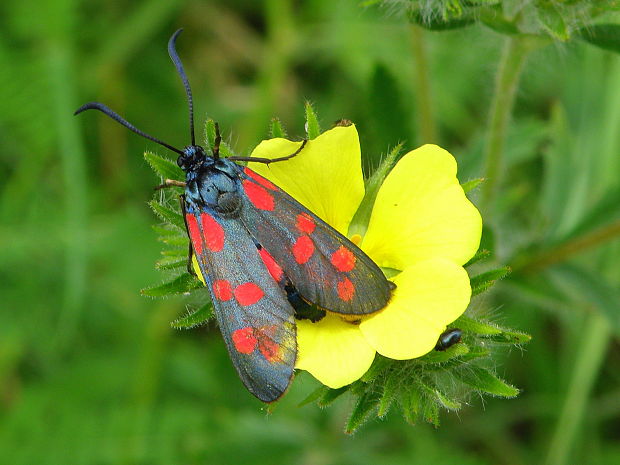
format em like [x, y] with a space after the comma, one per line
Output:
[170, 183]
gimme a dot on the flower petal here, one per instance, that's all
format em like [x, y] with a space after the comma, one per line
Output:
[421, 212]
[334, 352]
[429, 295]
[196, 268]
[326, 176]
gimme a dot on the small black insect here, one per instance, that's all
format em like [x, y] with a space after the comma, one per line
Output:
[448, 338]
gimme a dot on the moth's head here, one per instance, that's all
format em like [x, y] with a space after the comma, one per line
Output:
[190, 157]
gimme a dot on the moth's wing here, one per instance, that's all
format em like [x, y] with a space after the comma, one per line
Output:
[324, 266]
[254, 315]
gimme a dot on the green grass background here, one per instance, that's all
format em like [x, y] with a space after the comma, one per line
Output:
[92, 373]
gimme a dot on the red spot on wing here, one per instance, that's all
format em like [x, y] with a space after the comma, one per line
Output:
[244, 340]
[213, 232]
[259, 179]
[222, 290]
[270, 349]
[346, 289]
[343, 259]
[248, 294]
[194, 233]
[303, 249]
[274, 269]
[259, 197]
[305, 223]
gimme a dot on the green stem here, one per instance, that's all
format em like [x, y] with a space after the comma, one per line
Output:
[506, 83]
[72, 155]
[590, 355]
[573, 246]
[427, 129]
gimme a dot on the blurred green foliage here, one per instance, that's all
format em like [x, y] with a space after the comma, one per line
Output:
[91, 371]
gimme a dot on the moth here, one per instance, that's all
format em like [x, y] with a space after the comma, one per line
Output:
[263, 255]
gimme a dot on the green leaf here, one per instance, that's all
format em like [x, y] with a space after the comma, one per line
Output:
[195, 318]
[225, 150]
[471, 184]
[331, 395]
[604, 214]
[165, 230]
[590, 289]
[178, 240]
[430, 412]
[440, 356]
[605, 36]
[173, 236]
[359, 223]
[179, 285]
[314, 396]
[170, 263]
[510, 337]
[553, 22]
[445, 401]
[210, 133]
[483, 281]
[312, 123]
[482, 328]
[483, 380]
[475, 352]
[167, 214]
[165, 167]
[411, 402]
[362, 410]
[437, 23]
[390, 390]
[175, 253]
[379, 364]
[509, 8]
[482, 254]
[493, 18]
[491, 331]
[276, 129]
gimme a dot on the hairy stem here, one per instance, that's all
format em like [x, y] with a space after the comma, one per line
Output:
[571, 247]
[427, 129]
[506, 83]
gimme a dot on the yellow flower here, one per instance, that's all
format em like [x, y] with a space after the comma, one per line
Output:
[421, 224]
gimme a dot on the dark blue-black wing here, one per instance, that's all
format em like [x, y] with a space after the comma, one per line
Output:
[324, 266]
[254, 315]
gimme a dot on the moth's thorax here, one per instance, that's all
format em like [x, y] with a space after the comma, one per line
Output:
[214, 184]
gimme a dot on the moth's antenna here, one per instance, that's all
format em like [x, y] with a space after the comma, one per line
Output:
[102, 108]
[179, 66]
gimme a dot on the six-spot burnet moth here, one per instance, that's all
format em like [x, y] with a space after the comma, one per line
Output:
[265, 258]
